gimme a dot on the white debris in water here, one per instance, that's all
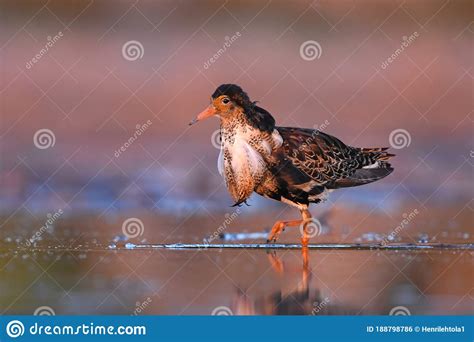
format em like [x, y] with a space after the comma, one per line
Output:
[371, 237]
[243, 236]
[130, 245]
[112, 246]
[423, 238]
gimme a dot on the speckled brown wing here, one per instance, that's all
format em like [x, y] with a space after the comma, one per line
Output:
[330, 162]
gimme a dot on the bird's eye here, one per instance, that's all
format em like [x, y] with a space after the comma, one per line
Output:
[225, 100]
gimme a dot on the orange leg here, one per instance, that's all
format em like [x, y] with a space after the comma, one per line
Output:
[280, 226]
[307, 220]
[306, 270]
[276, 262]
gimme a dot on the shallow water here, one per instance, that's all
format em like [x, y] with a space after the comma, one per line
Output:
[188, 265]
[197, 280]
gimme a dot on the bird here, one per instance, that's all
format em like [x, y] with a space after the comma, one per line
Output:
[296, 166]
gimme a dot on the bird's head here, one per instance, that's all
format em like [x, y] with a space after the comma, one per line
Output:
[229, 100]
[226, 101]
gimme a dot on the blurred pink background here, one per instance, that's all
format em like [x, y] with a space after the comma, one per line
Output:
[92, 98]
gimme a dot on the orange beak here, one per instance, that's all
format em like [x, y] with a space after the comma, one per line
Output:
[206, 113]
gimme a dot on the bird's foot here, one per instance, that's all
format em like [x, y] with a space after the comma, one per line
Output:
[240, 203]
[275, 262]
[279, 227]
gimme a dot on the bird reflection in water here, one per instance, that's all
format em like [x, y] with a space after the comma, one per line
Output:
[303, 300]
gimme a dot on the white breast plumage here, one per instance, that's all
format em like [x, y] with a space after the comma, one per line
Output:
[243, 159]
[246, 160]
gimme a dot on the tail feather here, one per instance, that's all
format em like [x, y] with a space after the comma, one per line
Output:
[364, 176]
[375, 167]
[377, 154]
[374, 149]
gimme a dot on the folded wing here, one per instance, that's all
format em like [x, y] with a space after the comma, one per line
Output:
[331, 163]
